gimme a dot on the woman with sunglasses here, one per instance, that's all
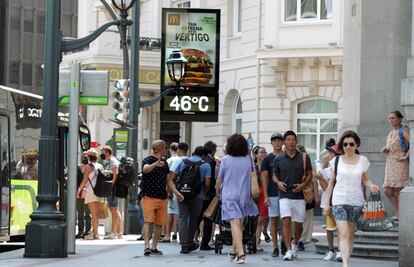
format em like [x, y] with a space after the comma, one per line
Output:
[396, 166]
[347, 191]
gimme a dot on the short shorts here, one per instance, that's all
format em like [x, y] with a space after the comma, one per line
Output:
[347, 213]
[112, 201]
[274, 210]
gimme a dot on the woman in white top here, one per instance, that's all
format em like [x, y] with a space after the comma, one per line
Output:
[348, 197]
[89, 180]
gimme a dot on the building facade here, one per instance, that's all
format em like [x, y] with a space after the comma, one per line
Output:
[280, 69]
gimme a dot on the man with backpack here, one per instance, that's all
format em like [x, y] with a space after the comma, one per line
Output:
[192, 183]
[208, 224]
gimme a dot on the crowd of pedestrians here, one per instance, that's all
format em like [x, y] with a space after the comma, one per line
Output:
[175, 192]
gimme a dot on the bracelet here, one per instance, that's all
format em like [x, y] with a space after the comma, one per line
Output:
[79, 190]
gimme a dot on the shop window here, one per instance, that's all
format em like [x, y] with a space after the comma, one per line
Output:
[317, 121]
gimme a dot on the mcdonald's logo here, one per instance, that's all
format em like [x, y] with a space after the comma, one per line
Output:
[173, 19]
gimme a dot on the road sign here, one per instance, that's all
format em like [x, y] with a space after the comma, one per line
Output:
[196, 34]
[94, 86]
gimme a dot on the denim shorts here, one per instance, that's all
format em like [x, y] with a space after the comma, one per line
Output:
[274, 210]
[347, 213]
[112, 201]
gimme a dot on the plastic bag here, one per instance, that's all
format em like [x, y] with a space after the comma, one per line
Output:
[373, 217]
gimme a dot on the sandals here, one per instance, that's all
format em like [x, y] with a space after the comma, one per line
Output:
[232, 256]
[240, 259]
[147, 252]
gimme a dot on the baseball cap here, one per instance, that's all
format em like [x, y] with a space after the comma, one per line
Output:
[276, 136]
[333, 149]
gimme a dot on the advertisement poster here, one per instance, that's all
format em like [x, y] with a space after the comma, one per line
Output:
[195, 33]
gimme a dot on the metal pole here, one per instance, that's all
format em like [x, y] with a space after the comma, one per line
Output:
[46, 233]
[73, 156]
[134, 110]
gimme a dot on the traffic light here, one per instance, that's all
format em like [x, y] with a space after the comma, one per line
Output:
[120, 97]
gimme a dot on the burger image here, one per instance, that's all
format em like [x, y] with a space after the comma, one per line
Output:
[198, 68]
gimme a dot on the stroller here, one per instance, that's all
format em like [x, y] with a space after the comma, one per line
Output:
[224, 237]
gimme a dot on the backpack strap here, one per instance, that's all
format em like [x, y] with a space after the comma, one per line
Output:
[93, 169]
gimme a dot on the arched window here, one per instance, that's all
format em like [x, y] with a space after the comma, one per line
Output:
[237, 116]
[317, 121]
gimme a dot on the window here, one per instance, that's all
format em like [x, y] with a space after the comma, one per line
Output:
[28, 21]
[305, 10]
[27, 74]
[317, 121]
[15, 18]
[41, 21]
[14, 72]
[184, 4]
[237, 16]
[237, 116]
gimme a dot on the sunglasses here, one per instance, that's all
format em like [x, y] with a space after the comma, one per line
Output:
[348, 144]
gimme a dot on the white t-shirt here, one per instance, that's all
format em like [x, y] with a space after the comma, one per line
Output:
[326, 173]
[348, 188]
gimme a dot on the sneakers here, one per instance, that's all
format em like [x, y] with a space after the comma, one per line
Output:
[275, 252]
[294, 250]
[288, 256]
[329, 256]
[119, 236]
[156, 252]
[338, 256]
[111, 236]
[211, 243]
[89, 237]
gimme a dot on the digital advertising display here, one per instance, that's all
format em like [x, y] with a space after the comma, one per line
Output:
[196, 34]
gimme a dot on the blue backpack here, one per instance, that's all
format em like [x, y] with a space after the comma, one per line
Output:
[403, 143]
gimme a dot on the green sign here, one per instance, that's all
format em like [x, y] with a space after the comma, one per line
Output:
[85, 100]
[121, 136]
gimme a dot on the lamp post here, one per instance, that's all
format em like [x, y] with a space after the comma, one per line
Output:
[45, 234]
[176, 63]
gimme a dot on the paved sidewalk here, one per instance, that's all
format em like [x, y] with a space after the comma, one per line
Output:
[129, 252]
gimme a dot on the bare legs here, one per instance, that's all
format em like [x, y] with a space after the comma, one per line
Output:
[116, 221]
[346, 233]
[171, 226]
[94, 210]
[147, 234]
[393, 194]
[237, 234]
[273, 230]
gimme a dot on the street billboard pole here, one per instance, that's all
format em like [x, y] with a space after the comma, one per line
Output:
[72, 157]
[134, 110]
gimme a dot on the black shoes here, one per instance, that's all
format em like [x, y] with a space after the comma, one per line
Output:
[186, 250]
[206, 248]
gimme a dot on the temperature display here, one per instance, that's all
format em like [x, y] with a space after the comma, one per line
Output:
[189, 104]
